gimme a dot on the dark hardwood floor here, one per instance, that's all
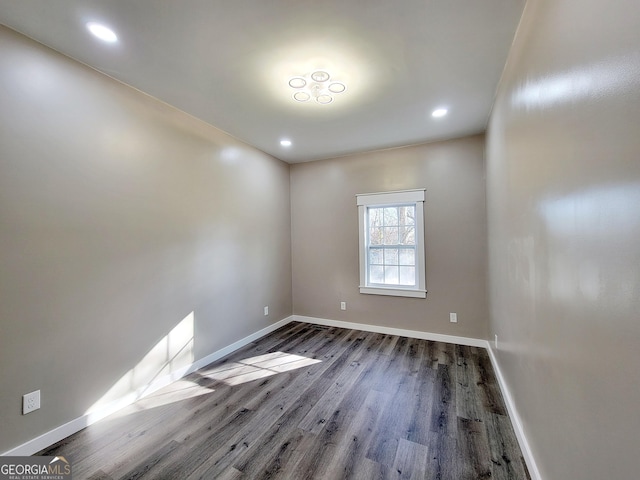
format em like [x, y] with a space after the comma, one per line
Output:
[312, 402]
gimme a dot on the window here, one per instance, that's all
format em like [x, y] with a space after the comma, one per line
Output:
[392, 243]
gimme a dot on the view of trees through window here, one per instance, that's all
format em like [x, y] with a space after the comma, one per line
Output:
[392, 245]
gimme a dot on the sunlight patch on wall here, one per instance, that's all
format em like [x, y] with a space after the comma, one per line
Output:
[165, 362]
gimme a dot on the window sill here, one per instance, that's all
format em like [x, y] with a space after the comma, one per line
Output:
[394, 292]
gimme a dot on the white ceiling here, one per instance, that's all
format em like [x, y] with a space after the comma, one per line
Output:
[228, 62]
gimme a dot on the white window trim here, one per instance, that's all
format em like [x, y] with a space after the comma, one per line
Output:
[390, 198]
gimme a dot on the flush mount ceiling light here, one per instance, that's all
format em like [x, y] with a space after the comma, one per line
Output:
[102, 32]
[285, 143]
[316, 86]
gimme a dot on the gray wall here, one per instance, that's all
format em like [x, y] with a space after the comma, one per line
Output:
[118, 217]
[563, 172]
[325, 236]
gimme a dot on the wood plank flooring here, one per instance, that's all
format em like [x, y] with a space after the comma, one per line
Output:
[313, 402]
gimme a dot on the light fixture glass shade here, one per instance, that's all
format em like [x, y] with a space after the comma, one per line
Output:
[324, 99]
[337, 87]
[301, 96]
[320, 76]
[297, 82]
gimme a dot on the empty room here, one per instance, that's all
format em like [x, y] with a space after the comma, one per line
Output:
[320, 239]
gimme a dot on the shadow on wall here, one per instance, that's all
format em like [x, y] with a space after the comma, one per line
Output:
[167, 361]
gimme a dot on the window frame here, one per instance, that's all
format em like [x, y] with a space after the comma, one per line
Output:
[365, 201]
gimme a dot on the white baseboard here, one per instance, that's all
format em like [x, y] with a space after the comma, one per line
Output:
[472, 342]
[515, 418]
[69, 428]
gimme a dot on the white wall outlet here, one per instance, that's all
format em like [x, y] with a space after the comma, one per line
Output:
[496, 341]
[266, 310]
[30, 402]
[343, 305]
[453, 317]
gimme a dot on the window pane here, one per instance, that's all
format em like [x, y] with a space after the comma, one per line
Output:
[375, 217]
[375, 236]
[390, 235]
[391, 216]
[391, 275]
[407, 215]
[407, 236]
[407, 256]
[407, 276]
[376, 274]
[375, 256]
[391, 256]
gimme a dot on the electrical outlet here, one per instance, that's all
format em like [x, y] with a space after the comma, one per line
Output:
[266, 310]
[496, 341]
[453, 317]
[343, 305]
[30, 402]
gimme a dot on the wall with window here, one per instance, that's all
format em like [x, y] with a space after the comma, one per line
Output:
[134, 238]
[326, 267]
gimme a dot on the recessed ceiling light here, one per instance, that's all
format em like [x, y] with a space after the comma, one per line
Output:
[285, 143]
[102, 32]
[439, 112]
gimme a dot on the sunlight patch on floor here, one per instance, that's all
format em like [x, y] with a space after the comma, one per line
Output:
[242, 371]
[176, 392]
